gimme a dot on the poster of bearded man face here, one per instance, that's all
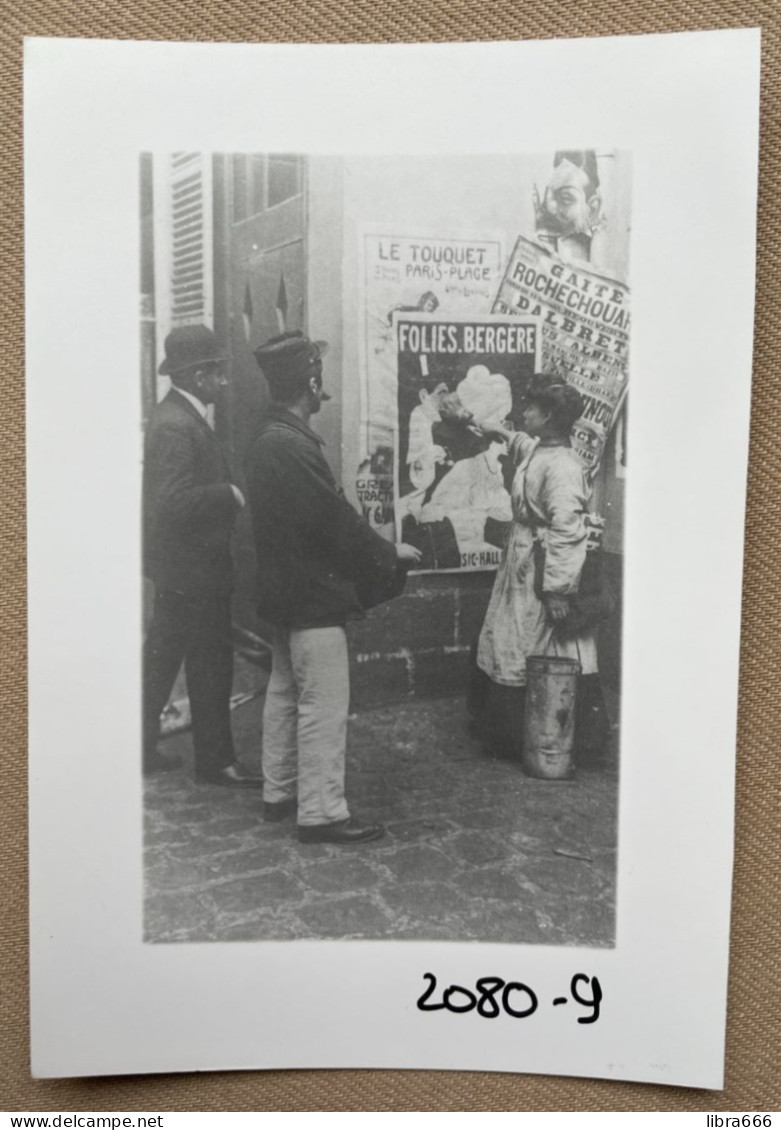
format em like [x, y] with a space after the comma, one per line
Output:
[570, 207]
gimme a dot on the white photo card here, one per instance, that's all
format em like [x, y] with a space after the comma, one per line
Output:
[454, 220]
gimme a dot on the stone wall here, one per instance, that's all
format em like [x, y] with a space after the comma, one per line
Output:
[418, 645]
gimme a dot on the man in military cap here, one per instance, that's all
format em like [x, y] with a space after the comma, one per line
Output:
[314, 555]
[190, 506]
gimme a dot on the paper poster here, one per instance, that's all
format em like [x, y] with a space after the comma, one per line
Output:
[408, 274]
[586, 324]
[451, 477]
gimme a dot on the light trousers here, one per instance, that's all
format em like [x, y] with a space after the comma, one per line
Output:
[305, 723]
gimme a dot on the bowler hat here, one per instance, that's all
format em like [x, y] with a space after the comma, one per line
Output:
[289, 356]
[186, 346]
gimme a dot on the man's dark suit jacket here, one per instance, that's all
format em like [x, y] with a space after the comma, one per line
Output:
[189, 505]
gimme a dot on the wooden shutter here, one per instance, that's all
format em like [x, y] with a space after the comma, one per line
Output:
[184, 242]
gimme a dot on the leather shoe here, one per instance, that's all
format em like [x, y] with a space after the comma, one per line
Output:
[274, 810]
[341, 832]
[235, 776]
[156, 763]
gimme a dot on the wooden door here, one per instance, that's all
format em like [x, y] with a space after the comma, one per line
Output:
[267, 294]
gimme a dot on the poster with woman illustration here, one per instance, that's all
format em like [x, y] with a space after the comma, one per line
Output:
[409, 274]
[458, 378]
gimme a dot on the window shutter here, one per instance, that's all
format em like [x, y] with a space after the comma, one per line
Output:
[184, 242]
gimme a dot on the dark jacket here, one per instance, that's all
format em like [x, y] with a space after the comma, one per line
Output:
[312, 547]
[189, 505]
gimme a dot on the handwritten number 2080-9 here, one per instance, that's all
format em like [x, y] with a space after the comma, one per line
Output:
[517, 1000]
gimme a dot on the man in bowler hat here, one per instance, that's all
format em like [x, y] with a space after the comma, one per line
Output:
[190, 506]
[315, 554]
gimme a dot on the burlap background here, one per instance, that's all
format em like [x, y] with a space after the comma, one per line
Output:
[754, 1030]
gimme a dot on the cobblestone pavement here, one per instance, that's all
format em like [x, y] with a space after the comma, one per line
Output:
[474, 849]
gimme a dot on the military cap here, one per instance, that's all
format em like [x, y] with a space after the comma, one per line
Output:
[186, 346]
[289, 356]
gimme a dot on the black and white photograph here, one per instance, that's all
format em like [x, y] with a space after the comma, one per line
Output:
[382, 657]
[387, 429]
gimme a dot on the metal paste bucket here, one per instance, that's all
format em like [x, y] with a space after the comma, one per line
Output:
[549, 722]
